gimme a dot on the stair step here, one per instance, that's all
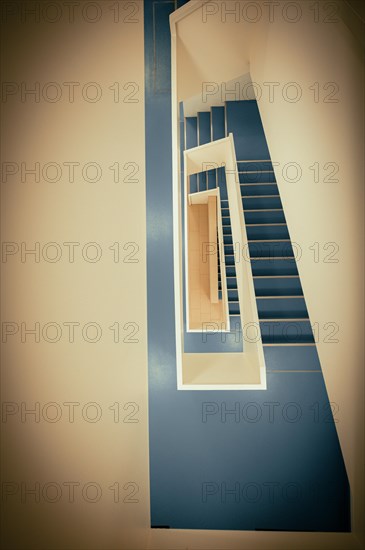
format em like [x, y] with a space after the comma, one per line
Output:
[203, 127]
[232, 295]
[264, 216]
[271, 249]
[280, 297]
[281, 307]
[221, 183]
[191, 132]
[231, 271]
[212, 179]
[202, 181]
[274, 266]
[264, 202]
[231, 283]
[235, 322]
[262, 250]
[256, 177]
[286, 331]
[193, 179]
[229, 259]
[243, 120]
[276, 277]
[277, 286]
[284, 320]
[267, 231]
[218, 124]
[257, 186]
[254, 165]
[300, 356]
[259, 190]
[303, 345]
[233, 308]
[270, 241]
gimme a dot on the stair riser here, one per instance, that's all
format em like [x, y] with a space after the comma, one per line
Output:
[231, 283]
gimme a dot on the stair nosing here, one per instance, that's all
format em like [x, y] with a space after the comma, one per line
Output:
[275, 276]
[269, 224]
[286, 319]
[277, 297]
[260, 183]
[282, 344]
[260, 196]
[271, 258]
[255, 171]
[269, 241]
[263, 210]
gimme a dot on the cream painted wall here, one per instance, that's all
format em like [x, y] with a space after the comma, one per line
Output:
[307, 132]
[107, 131]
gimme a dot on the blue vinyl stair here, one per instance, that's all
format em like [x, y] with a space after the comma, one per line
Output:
[280, 302]
[198, 131]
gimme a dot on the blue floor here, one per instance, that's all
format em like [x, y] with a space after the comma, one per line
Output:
[249, 460]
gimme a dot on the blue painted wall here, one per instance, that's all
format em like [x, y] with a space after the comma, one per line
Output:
[227, 460]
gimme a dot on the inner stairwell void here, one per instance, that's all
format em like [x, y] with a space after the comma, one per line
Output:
[266, 252]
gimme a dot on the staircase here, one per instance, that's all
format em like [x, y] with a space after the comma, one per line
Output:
[283, 315]
[198, 132]
[281, 442]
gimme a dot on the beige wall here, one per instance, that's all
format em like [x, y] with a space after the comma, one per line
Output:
[105, 452]
[323, 212]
